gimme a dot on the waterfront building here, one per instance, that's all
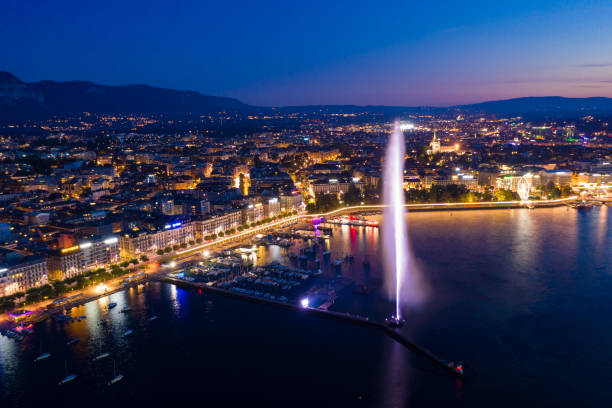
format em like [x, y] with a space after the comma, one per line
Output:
[87, 255]
[252, 213]
[148, 240]
[271, 207]
[291, 201]
[20, 272]
[216, 223]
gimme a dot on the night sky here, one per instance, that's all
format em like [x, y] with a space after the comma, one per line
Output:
[318, 52]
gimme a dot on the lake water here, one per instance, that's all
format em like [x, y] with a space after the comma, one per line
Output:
[522, 297]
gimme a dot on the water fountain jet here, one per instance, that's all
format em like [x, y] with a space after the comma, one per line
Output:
[402, 279]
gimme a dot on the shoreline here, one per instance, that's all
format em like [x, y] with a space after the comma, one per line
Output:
[307, 217]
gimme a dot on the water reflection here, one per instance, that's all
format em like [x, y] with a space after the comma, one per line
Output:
[516, 295]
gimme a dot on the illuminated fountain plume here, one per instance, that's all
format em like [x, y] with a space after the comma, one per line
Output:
[403, 281]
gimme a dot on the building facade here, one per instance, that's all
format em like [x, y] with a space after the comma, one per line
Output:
[21, 273]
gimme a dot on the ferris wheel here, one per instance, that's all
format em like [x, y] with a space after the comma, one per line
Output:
[524, 188]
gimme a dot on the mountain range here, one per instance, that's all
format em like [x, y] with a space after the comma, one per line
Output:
[21, 101]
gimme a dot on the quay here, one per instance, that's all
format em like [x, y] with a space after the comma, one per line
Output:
[344, 317]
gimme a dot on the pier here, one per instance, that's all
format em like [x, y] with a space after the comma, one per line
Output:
[344, 317]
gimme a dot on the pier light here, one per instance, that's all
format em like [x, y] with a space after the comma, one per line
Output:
[304, 303]
[101, 288]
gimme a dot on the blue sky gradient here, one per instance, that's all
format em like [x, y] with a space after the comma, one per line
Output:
[318, 52]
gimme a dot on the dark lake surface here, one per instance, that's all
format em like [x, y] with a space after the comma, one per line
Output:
[522, 297]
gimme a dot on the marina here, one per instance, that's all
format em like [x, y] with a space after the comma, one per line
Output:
[323, 300]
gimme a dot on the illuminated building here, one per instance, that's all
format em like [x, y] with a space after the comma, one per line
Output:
[217, 223]
[435, 147]
[144, 241]
[19, 272]
[334, 185]
[87, 255]
[291, 200]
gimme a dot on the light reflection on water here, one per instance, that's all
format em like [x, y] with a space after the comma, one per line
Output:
[517, 295]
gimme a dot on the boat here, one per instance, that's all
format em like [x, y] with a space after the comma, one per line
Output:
[584, 205]
[128, 332]
[111, 305]
[116, 377]
[126, 309]
[42, 356]
[456, 367]
[72, 341]
[67, 377]
[326, 253]
[101, 356]
[154, 317]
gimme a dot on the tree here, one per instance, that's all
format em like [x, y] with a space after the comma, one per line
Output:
[352, 196]
[134, 261]
[160, 252]
[191, 242]
[326, 202]
[555, 193]
[175, 247]
[183, 245]
[504, 195]
[199, 240]
[145, 258]
[566, 191]
[167, 250]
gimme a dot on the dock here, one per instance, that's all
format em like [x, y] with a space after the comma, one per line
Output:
[345, 317]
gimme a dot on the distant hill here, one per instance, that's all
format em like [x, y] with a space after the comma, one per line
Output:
[20, 100]
[549, 106]
[530, 107]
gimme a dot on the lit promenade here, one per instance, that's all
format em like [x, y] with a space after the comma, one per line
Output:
[377, 207]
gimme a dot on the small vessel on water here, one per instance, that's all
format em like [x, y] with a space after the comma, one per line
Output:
[72, 341]
[42, 356]
[116, 377]
[584, 205]
[456, 367]
[128, 332]
[68, 377]
[111, 305]
[126, 309]
[154, 317]
[101, 356]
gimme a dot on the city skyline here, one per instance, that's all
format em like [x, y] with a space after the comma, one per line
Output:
[271, 55]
